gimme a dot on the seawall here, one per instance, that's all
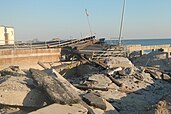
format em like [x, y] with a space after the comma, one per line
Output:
[28, 57]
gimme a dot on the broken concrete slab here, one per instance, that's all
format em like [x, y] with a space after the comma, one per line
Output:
[127, 71]
[98, 110]
[166, 77]
[61, 109]
[14, 91]
[13, 71]
[155, 58]
[98, 80]
[163, 106]
[113, 71]
[57, 90]
[63, 80]
[154, 73]
[114, 62]
[94, 100]
[110, 109]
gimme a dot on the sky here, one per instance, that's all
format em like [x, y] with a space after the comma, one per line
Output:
[66, 19]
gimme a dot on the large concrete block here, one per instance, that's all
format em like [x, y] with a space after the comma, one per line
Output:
[14, 91]
[113, 62]
[62, 109]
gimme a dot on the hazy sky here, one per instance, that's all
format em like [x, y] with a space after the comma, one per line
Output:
[47, 19]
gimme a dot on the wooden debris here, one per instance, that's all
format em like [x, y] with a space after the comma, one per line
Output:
[93, 88]
[42, 65]
[154, 74]
[98, 62]
[115, 81]
[68, 66]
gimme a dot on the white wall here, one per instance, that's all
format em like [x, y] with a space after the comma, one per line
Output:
[10, 32]
[2, 37]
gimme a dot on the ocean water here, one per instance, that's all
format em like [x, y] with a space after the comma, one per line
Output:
[141, 41]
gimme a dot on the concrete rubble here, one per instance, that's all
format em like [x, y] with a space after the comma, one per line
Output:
[94, 100]
[121, 88]
[15, 92]
[163, 106]
[118, 62]
[154, 59]
[62, 109]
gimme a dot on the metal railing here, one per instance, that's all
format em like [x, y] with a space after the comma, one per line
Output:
[44, 45]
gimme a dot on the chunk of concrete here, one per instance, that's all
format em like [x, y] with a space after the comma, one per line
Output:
[162, 108]
[98, 80]
[15, 92]
[13, 71]
[110, 109]
[113, 62]
[166, 77]
[58, 89]
[94, 100]
[159, 74]
[61, 109]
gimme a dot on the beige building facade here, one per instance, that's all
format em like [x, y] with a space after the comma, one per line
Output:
[6, 35]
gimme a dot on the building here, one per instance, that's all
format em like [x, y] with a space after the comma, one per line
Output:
[6, 35]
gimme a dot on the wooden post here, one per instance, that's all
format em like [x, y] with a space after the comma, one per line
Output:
[167, 57]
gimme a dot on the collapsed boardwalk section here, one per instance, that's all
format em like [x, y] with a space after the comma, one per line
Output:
[28, 57]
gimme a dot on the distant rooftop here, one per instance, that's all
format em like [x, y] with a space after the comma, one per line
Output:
[6, 26]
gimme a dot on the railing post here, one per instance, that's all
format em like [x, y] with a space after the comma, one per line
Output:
[46, 45]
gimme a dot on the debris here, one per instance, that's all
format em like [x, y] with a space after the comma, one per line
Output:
[94, 100]
[13, 71]
[112, 71]
[114, 62]
[110, 109]
[115, 81]
[129, 89]
[163, 106]
[157, 59]
[14, 92]
[68, 65]
[92, 88]
[62, 109]
[103, 65]
[155, 74]
[97, 80]
[42, 65]
[166, 77]
[63, 80]
[57, 90]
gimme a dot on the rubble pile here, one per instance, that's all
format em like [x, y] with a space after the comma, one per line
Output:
[153, 59]
[118, 62]
[89, 88]
[163, 106]
[46, 91]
